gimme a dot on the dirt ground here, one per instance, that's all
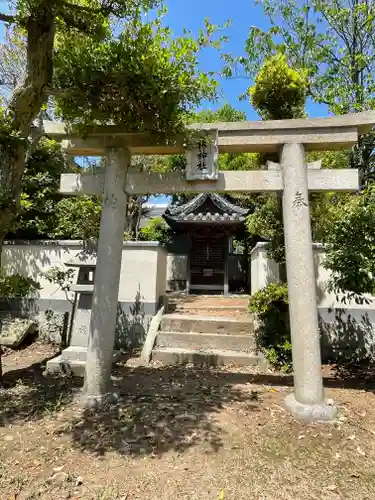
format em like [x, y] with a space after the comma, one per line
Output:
[179, 433]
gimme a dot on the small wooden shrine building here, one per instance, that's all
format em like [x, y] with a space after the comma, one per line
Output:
[209, 223]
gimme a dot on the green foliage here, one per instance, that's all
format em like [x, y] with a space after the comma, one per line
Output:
[238, 161]
[156, 230]
[61, 277]
[279, 91]
[331, 159]
[351, 248]
[143, 78]
[334, 43]
[265, 299]
[325, 208]
[270, 304]
[78, 218]
[17, 286]
[266, 222]
[40, 193]
[226, 113]
[102, 61]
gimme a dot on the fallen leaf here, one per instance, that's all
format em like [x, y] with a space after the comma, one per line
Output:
[58, 478]
[79, 481]
[332, 487]
[360, 451]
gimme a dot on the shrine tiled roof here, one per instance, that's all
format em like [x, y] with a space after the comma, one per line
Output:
[206, 208]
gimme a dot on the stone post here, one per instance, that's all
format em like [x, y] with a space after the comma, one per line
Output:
[308, 399]
[107, 278]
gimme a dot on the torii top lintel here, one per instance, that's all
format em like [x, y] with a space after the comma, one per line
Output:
[330, 133]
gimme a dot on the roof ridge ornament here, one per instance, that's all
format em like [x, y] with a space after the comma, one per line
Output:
[202, 156]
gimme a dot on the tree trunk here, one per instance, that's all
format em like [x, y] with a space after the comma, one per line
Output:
[140, 202]
[24, 106]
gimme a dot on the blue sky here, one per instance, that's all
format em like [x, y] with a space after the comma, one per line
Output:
[243, 13]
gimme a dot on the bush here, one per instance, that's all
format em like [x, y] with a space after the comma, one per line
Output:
[350, 249]
[155, 230]
[17, 286]
[266, 221]
[270, 304]
[280, 90]
[78, 218]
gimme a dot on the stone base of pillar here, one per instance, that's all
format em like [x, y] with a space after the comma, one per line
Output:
[99, 402]
[323, 412]
[72, 361]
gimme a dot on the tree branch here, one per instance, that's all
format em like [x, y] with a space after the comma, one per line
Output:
[6, 18]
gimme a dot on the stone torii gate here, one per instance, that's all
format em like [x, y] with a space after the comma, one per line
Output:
[291, 138]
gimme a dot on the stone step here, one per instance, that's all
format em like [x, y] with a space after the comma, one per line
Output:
[211, 307]
[227, 311]
[207, 324]
[208, 357]
[206, 305]
[238, 343]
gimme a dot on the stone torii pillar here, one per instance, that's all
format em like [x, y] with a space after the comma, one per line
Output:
[307, 401]
[107, 279]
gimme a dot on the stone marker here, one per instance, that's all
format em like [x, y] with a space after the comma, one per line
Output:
[15, 330]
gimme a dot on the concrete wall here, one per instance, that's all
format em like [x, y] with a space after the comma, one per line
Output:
[263, 270]
[347, 329]
[142, 284]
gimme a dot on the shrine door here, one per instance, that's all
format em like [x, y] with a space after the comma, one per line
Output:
[207, 262]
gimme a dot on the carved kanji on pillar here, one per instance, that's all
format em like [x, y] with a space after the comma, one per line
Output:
[202, 157]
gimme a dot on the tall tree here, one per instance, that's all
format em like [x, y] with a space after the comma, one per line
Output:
[334, 42]
[142, 77]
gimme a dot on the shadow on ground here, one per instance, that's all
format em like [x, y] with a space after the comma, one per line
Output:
[170, 408]
[162, 409]
[176, 407]
[28, 395]
[347, 343]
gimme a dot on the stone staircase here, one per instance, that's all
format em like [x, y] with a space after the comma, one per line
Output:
[207, 331]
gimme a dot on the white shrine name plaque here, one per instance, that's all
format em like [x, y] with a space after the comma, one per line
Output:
[202, 158]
